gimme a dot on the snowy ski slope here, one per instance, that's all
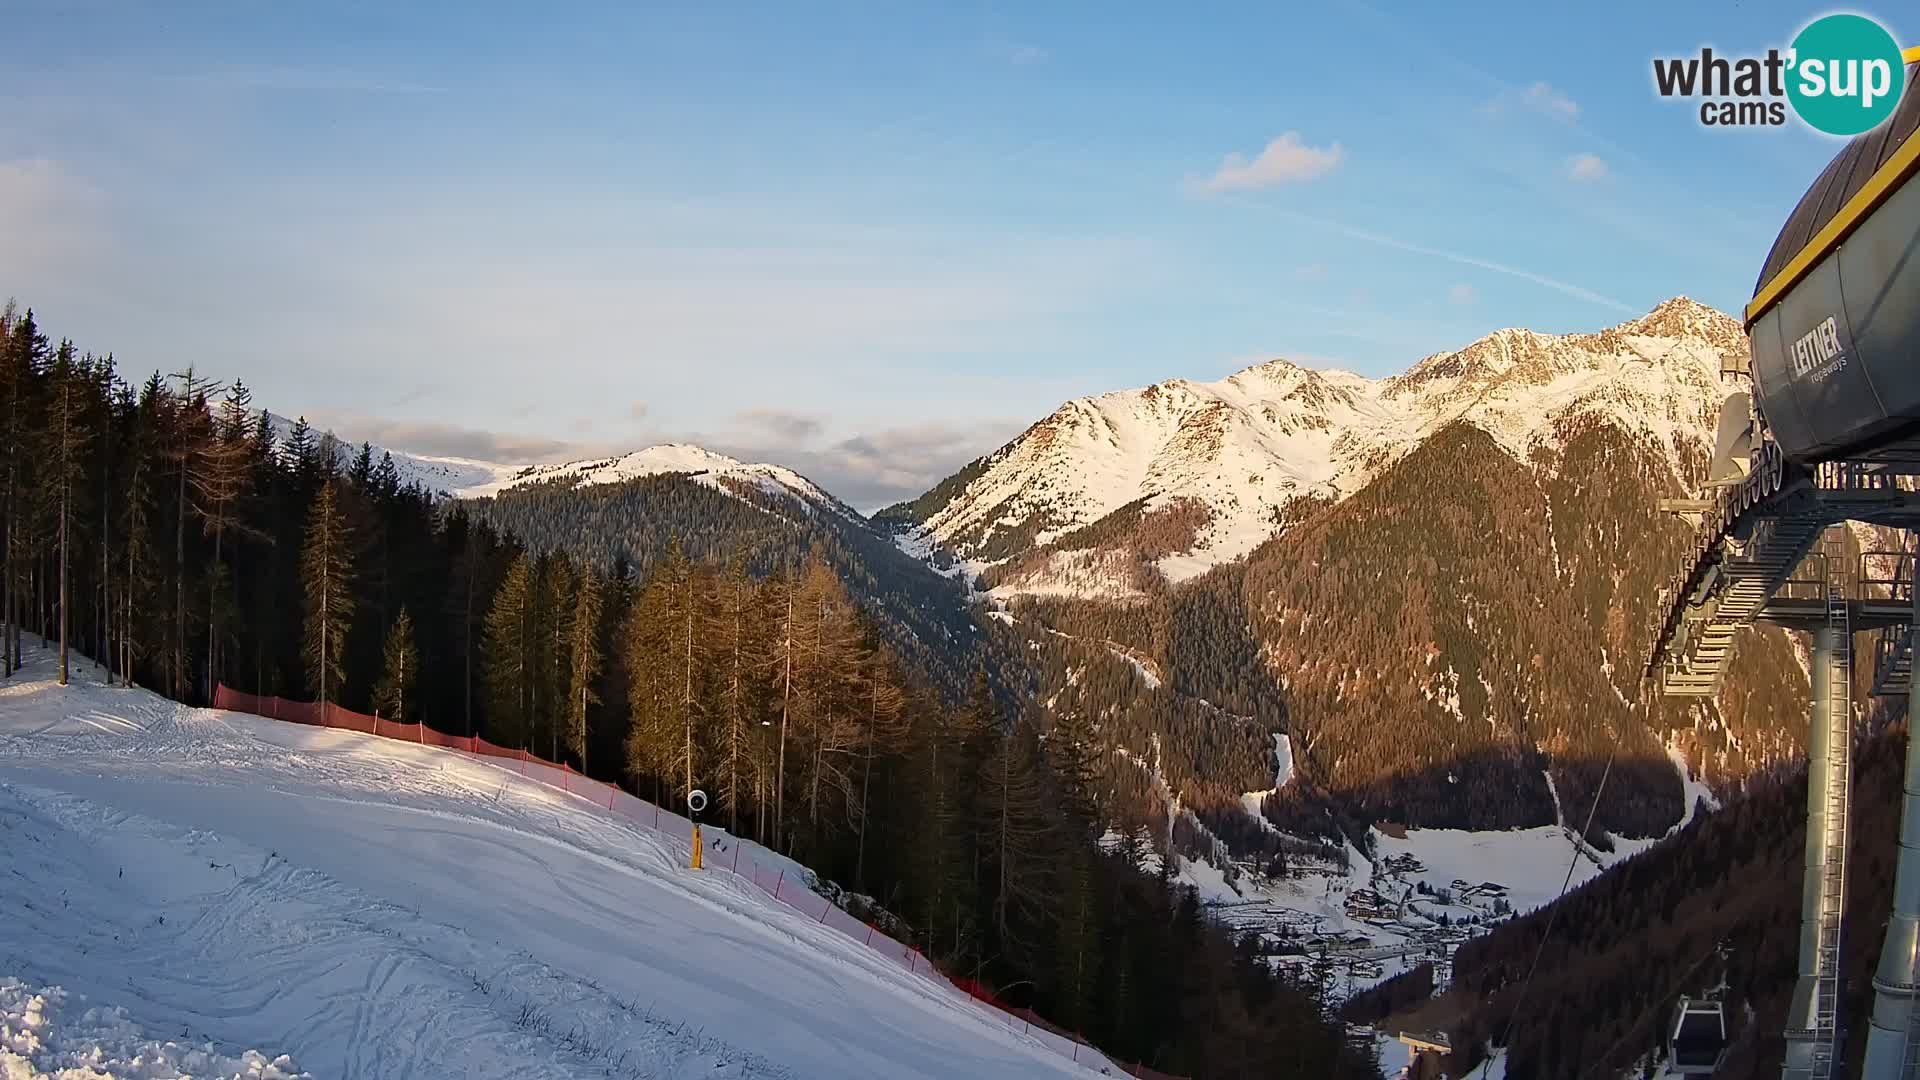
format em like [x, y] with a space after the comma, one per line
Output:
[375, 909]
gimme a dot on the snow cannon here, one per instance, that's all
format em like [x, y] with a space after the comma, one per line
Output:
[1835, 317]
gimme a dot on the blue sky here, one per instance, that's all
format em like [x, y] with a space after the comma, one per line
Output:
[871, 240]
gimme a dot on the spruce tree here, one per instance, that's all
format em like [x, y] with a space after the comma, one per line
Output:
[68, 436]
[326, 571]
[1018, 833]
[402, 663]
[1075, 760]
[553, 615]
[508, 647]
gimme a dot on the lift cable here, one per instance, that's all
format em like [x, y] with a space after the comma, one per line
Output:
[1553, 910]
[1672, 989]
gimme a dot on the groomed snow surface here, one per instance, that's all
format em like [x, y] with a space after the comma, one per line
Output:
[371, 908]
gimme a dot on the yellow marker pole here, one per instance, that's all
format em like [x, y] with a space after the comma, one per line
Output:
[696, 845]
[1911, 56]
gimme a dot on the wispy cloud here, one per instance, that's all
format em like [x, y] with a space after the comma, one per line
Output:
[453, 440]
[50, 219]
[1586, 168]
[1462, 294]
[1019, 53]
[1460, 258]
[867, 470]
[881, 467]
[309, 80]
[1311, 272]
[782, 424]
[1285, 160]
[1540, 98]
[1543, 98]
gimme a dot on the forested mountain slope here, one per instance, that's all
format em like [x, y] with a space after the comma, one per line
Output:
[730, 512]
[1447, 601]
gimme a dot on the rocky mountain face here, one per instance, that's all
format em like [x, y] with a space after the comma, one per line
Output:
[1113, 495]
[1447, 575]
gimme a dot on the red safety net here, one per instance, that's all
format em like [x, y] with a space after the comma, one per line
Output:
[724, 853]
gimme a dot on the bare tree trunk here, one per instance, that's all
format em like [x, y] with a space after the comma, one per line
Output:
[65, 496]
[866, 780]
[180, 585]
[213, 586]
[105, 656]
[12, 658]
[326, 594]
[733, 719]
[786, 698]
[466, 630]
[686, 704]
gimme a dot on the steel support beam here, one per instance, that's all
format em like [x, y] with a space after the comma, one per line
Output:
[1889, 1039]
[1803, 1035]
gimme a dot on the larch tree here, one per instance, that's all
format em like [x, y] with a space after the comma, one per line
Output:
[192, 432]
[727, 630]
[830, 726]
[583, 660]
[326, 572]
[886, 733]
[218, 475]
[783, 648]
[402, 664]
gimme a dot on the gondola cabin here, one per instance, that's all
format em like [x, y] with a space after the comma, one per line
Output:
[1697, 1043]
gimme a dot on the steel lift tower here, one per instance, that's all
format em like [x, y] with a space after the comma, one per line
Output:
[1829, 433]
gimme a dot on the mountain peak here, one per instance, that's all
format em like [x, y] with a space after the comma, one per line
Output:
[1683, 316]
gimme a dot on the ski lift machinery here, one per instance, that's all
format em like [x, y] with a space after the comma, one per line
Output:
[1829, 433]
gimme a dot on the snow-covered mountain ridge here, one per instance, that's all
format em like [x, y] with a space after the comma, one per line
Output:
[1212, 470]
[470, 478]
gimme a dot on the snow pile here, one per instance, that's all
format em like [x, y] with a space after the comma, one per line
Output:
[375, 908]
[1248, 445]
[46, 1032]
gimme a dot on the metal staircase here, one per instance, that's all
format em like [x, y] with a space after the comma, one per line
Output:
[1893, 648]
[1751, 540]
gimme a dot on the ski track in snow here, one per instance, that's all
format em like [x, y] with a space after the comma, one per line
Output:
[376, 909]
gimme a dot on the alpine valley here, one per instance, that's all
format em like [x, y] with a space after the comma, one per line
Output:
[1416, 581]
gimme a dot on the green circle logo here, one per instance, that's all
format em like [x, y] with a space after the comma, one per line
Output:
[1845, 74]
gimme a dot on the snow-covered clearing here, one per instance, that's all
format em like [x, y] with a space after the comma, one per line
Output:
[1283, 772]
[377, 909]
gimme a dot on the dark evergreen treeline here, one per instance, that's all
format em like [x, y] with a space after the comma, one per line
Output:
[162, 526]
